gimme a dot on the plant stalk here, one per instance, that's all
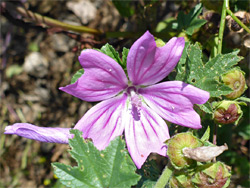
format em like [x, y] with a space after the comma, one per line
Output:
[55, 23]
[222, 26]
[164, 178]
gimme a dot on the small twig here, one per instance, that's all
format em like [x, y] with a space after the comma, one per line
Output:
[55, 23]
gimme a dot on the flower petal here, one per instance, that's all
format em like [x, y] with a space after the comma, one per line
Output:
[174, 101]
[42, 134]
[148, 64]
[103, 77]
[145, 135]
[102, 123]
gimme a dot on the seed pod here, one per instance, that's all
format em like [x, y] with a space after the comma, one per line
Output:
[235, 79]
[175, 146]
[227, 112]
[204, 153]
[212, 175]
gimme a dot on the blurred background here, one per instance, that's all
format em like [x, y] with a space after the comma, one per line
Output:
[37, 60]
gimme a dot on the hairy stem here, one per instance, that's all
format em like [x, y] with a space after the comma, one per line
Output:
[222, 26]
[164, 178]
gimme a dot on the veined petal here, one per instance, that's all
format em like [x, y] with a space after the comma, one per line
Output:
[102, 123]
[42, 134]
[145, 135]
[148, 64]
[174, 101]
[103, 77]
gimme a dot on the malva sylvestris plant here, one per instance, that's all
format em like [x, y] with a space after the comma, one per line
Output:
[134, 103]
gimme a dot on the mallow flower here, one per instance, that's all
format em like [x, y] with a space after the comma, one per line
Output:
[132, 103]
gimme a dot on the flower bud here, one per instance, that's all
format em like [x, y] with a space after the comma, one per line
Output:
[212, 175]
[175, 146]
[235, 79]
[227, 112]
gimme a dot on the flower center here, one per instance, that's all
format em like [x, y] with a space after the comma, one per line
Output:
[136, 102]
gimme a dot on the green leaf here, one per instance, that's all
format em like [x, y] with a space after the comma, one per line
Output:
[124, 7]
[111, 52]
[206, 107]
[111, 167]
[190, 22]
[206, 135]
[182, 65]
[148, 184]
[206, 76]
[124, 57]
[77, 75]
[244, 99]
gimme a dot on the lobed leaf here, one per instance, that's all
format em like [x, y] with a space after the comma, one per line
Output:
[192, 70]
[111, 167]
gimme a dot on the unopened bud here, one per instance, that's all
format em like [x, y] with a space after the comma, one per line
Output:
[204, 153]
[212, 175]
[227, 112]
[175, 146]
[235, 79]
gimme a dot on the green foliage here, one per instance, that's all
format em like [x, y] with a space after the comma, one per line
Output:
[111, 167]
[206, 107]
[77, 75]
[191, 21]
[192, 70]
[206, 135]
[111, 52]
[184, 23]
[124, 57]
[124, 7]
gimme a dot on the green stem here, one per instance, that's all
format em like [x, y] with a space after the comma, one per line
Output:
[164, 178]
[237, 20]
[222, 26]
[55, 23]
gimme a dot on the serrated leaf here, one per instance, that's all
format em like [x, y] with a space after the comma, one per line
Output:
[206, 76]
[182, 65]
[77, 75]
[111, 167]
[111, 52]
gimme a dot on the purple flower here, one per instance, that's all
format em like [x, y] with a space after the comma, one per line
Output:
[136, 106]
